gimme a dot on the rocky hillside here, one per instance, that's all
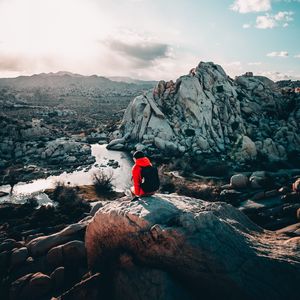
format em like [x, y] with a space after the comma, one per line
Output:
[245, 119]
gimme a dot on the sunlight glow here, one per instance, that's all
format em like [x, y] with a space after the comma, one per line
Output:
[50, 27]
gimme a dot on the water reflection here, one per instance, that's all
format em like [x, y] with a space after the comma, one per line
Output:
[121, 176]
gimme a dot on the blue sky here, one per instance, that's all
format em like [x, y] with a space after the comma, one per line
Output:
[149, 39]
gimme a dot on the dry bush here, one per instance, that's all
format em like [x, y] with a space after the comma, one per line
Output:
[199, 191]
[65, 195]
[71, 205]
[103, 183]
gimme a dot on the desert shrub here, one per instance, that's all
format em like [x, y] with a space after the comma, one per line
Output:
[103, 182]
[71, 206]
[44, 215]
[65, 194]
[32, 202]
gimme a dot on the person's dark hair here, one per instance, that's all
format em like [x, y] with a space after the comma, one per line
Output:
[138, 154]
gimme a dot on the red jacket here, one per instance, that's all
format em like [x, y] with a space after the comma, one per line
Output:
[136, 174]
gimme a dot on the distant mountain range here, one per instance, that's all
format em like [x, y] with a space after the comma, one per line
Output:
[67, 79]
[130, 80]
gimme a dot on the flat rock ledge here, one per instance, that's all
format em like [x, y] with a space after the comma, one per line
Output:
[176, 247]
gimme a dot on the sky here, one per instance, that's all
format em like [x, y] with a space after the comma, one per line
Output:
[149, 39]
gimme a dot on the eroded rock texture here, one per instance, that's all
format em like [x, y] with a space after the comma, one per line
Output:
[208, 112]
[176, 247]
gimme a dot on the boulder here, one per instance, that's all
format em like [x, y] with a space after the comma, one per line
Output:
[296, 186]
[201, 248]
[71, 159]
[247, 150]
[18, 256]
[58, 277]
[292, 230]
[30, 265]
[74, 251]
[2, 194]
[55, 256]
[66, 254]
[43, 244]
[239, 181]
[30, 286]
[258, 179]
[118, 144]
[4, 261]
[9, 244]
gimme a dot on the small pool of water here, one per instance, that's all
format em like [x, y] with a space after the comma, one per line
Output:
[121, 177]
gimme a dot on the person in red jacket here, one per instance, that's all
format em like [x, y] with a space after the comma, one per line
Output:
[140, 161]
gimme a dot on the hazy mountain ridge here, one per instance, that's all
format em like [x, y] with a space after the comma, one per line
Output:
[63, 79]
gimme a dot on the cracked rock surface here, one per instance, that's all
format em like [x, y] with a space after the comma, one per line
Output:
[176, 247]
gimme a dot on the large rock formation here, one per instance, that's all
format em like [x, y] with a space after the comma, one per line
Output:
[175, 247]
[208, 112]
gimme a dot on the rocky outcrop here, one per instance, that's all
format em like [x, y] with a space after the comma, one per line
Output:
[208, 112]
[24, 142]
[193, 249]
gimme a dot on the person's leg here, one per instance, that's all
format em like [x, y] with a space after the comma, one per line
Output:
[135, 197]
[132, 191]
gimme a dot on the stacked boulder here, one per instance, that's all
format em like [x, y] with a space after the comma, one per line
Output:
[208, 112]
[44, 265]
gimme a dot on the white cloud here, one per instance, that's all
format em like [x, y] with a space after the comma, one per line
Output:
[257, 63]
[233, 63]
[232, 67]
[84, 37]
[297, 56]
[264, 22]
[282, 18]
[278, 54]
[246, 26]
[247, 6]
[276, 76]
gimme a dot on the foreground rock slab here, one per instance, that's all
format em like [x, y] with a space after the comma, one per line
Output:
[204, 249]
